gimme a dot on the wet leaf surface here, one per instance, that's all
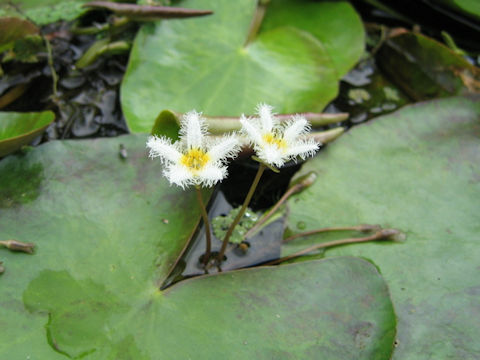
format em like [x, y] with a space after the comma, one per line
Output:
[204, 64]
[416, 170]
[91, 290]
[18, 129]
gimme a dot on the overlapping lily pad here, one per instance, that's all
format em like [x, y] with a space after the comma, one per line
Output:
[469, 7]
[334, 23]
[206, 64]
[104, 244]
[12, 29]
[417, 170]
[43, 12]
[426, 69]
[18, 129]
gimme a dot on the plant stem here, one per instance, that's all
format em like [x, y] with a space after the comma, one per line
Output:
[362, 228]
[15, 245]
[383, 234]
[52, 68]
[208, 235]
[299, 185]
[254, 185]
[272, 211]
[256, 21]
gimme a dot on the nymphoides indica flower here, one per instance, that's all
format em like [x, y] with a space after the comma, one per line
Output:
[276, 143]
[195, 159]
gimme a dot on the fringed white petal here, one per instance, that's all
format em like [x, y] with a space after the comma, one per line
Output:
[162, 147]
[266, 117]
[193, 129]
[295, 127]
[272, 155]
[179, 175]
[251, 130]
[210, 175]
[303, 149]
[227, 147]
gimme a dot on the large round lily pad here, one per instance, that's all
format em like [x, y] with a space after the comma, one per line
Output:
[91, 290]
[205, 64]
[417, 170]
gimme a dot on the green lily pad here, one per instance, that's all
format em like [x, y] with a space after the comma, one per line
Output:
[417, 170]
[167, 124]
[343, 36]
[91, 290]
[426, 69]
[12, 29]
[204, 64]
[469, 7]
[18, 129]
[43, 12]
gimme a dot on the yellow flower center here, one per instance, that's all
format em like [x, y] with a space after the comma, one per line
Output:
[195, 159]
[273, 140]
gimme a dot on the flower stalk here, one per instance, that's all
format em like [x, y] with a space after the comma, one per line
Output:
[382, 234]
[365, 228]
[208, 233]
[306, 181]
[15, 245]
[237, 219]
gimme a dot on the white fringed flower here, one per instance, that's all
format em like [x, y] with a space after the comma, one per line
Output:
[194, 159]
[276, 143]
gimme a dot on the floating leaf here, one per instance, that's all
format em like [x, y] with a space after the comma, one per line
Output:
[43, 12]
[221, 224]
[416, 170]
[342, 35]
[204, 64]
[469, 7]
[91, 290]
[18, 129]
[167, 124]
[12, 29]
[25, 49]
[426, 69]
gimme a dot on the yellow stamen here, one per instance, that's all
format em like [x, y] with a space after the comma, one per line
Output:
[195, 159]
[273, 140]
